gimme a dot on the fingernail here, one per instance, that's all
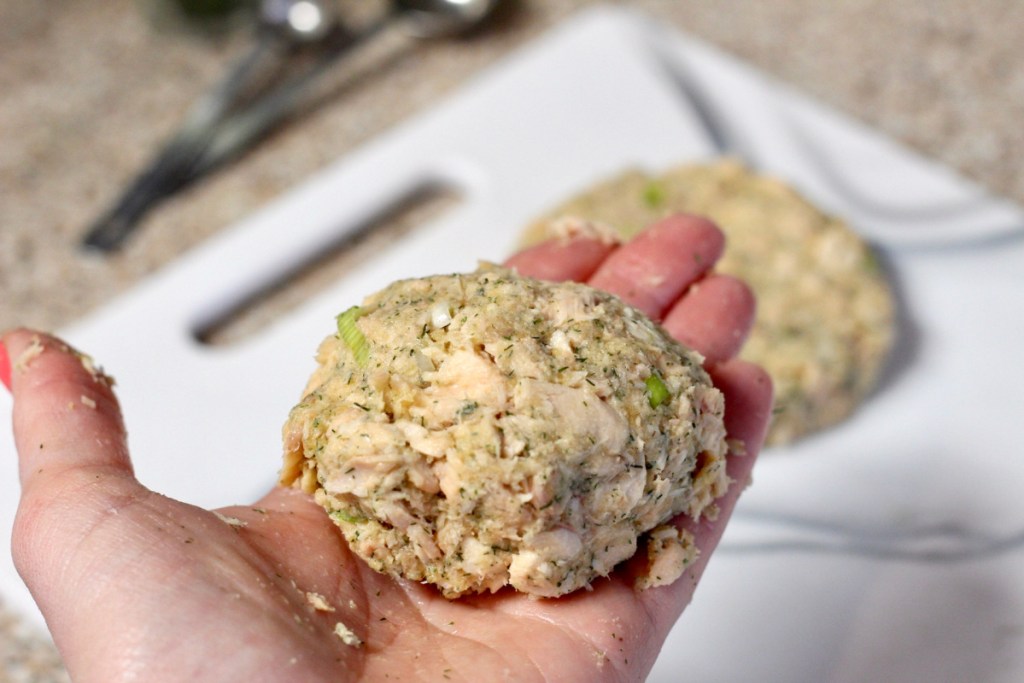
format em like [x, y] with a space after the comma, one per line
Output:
[5, 367]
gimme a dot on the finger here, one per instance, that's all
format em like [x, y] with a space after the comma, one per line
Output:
[5, 368]
[657, 266]
[73, 465]
[558, 259]
[748, 403]
[748, 408]
[65, 413]
[714, 317]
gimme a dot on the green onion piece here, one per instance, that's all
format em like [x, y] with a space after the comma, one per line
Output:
[352, 336]
[346, 516]
[657, 392]
[654, 195]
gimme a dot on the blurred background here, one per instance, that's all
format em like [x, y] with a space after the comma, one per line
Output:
[90, 89]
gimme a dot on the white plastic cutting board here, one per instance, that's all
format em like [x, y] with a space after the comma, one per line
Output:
[604, 91]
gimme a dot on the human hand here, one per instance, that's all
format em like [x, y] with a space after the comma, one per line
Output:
[136, 586]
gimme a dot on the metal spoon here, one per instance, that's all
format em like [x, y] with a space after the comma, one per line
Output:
[442, 18]
[231, 118]
[421, 19]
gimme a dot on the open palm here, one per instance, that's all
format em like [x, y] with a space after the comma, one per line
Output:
[136, 586]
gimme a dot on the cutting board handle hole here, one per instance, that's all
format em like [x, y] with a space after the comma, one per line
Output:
[260, 307]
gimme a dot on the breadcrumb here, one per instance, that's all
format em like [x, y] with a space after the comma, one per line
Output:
[318, 602]
[566, 228]
[95, 371]
[32, 351]
[736, 446]
[346, 635]
[232, 521]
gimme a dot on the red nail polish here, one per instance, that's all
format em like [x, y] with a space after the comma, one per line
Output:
[5, 367]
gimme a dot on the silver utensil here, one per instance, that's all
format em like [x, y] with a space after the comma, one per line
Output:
[260, 91]
[729, 136]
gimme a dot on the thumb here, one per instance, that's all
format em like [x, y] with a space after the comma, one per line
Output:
[72, 454]
[66, 416]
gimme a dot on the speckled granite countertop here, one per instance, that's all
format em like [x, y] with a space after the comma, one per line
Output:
[89, 89]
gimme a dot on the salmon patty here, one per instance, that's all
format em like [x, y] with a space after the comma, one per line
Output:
[826, 316]
[479, 430]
